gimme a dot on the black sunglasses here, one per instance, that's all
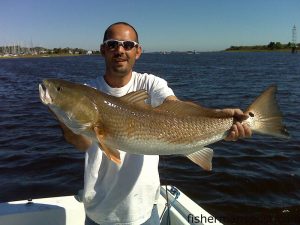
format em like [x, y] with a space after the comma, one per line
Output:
[127, 45]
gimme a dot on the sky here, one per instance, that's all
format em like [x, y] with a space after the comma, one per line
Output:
[186, 25]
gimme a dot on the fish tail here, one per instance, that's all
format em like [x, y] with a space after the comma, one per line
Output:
[265, 116]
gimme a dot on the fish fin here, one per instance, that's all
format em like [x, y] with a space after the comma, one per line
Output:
[265, 113]
[202, 158]
[136, 98]
[112, 154]
[190, 109]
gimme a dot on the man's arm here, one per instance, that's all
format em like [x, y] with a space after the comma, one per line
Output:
[171, 98]
[238, 130]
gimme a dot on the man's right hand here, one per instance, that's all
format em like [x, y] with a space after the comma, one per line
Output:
[79, 141]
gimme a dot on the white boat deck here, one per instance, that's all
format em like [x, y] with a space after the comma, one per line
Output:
[67, 210]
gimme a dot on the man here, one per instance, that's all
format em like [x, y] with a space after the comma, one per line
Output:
[127, 193]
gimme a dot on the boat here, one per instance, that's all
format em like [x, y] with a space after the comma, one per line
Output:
[174, 208]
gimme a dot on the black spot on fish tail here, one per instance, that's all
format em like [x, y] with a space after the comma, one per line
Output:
[251, 114]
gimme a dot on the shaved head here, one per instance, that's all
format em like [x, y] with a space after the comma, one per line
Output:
[108, 30]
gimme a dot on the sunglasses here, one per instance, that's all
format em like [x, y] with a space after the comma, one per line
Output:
[127, 45]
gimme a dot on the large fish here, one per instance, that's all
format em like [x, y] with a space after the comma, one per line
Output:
[129, 124]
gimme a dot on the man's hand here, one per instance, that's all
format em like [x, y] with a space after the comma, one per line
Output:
[238, 130]
[79, 141]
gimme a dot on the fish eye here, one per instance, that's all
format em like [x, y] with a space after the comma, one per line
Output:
[58, 88]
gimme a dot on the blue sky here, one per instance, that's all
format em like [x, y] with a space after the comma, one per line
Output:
[202, 25]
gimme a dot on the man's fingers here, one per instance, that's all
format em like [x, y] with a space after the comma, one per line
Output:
[238, 114]
[233, 134]
[230, 136]
[241, 117]
[237, 131]
[241, 131]
[248, 131]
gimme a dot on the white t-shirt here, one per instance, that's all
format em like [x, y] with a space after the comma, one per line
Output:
[125, 193]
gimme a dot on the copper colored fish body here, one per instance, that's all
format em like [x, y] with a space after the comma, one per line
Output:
[130, 125]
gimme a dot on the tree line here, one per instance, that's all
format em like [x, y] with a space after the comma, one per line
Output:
[271, 46]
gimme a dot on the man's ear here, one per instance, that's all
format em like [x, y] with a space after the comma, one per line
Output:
[102, 51]
[138, 52]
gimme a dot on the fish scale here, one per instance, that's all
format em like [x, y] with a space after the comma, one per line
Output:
[143, 126]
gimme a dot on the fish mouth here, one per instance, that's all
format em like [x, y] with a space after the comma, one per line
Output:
[44, 94]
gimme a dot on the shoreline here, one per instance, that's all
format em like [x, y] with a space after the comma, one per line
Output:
[44, 56]
[76, 55]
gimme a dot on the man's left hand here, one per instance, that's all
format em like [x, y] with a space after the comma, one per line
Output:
[238, 130]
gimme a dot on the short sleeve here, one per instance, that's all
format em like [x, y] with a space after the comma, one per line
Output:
[159, 91]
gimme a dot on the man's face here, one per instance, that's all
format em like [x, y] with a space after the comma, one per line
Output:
[119, 61]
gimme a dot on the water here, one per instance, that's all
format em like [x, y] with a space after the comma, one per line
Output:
[254, 181]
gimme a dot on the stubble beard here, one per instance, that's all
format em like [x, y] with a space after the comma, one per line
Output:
[120, 71]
